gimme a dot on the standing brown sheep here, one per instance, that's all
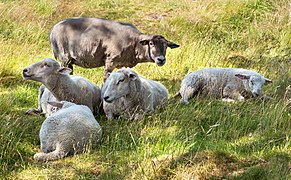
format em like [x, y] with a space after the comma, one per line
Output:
[95, 42]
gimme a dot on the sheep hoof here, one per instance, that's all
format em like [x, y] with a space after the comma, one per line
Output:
[39, 157]
[33, 112]
[110, 116]
[183, 101]
[228, 100]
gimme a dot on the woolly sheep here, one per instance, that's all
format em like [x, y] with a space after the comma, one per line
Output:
[44, 95]
[63, 86]
[228, 83]
[70, 130]
[96, 42]
[131, 96]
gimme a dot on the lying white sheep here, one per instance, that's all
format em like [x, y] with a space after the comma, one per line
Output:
[131, 96]
[63, 87]
[70, 130]
[44, 95]
[228, 83]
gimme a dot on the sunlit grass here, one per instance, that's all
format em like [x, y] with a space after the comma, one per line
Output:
[209, 139]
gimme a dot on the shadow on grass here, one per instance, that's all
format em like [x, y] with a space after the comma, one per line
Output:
[275, 166]
[219, 164]
[199, 165]
[212, 154]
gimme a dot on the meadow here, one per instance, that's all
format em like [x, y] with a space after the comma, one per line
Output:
[207, 139]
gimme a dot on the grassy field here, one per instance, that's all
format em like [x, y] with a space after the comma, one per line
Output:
[208, 139]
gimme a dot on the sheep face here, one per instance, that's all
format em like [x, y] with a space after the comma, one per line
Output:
[156, 48]
[254, 83]
[40, 70]
[119, 84]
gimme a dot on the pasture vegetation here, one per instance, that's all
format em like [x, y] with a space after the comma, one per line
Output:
[209, 139]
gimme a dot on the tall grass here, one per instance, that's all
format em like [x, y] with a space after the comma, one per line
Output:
[208, 139]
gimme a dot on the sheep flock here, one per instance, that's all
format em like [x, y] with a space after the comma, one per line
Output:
[71, 103]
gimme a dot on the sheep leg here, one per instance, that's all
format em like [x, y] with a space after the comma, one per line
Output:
[107, 70]
[110, 115]
[230, 94]
[189, 87]
[109, 65]
[187, 93]
[39, 110]
[58, 153]
[139, 114]
[33, 111]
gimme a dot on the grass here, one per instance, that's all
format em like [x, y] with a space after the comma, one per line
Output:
[208, 139]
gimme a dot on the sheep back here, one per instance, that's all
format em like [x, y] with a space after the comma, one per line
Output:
[69, 130]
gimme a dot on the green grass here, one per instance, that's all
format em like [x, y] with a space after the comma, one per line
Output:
[208, 139]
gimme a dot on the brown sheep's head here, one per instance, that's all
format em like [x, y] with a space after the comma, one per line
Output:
[156, 48]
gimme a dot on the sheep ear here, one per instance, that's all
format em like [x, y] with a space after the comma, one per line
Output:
[132, 76]
[107, 74]
[64, 70]
[242, 76]
[56, 104]
[268, 81]
[144, 42]
[172, 45]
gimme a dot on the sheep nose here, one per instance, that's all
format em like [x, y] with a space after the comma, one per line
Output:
[25, 70]
[161, 59]
[106, 98]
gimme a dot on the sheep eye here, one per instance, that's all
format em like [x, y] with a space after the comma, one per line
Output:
[151, 43]
[45, 64]
[120, 80]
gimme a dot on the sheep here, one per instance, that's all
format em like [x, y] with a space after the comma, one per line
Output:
[63, 87]
[44, 108]
[231, 84]
[96, 42]
[131, 96]
[69, 130]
